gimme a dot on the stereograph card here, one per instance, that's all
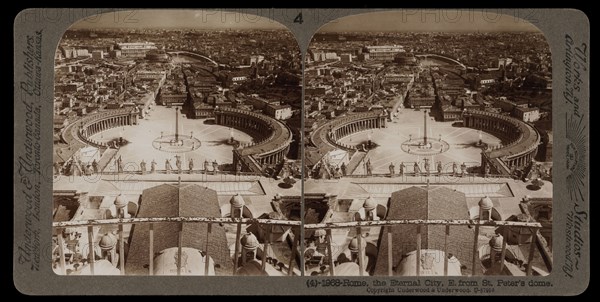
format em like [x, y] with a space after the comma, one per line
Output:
[301, 151]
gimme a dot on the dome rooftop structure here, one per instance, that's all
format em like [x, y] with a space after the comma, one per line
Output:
[237, 201]
[486, 203]
[496, 243]
[249, 241]
[353, 245]
[320, 232]
[120, 201]
[370, 204]
[107, 242]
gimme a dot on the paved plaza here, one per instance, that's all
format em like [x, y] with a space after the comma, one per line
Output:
[408, 126]
[141, 140]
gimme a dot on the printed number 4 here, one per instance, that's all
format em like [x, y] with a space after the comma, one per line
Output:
[298, 19]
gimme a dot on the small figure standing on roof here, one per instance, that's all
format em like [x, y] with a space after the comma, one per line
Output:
[120, 164]
[153, 166]
[178, 163]
[168, 166]
[215, 166]
[75, 168]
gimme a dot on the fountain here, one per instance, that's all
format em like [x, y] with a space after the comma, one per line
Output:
[231, 140]
[480, 143]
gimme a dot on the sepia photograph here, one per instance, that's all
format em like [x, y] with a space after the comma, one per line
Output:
[177, 145]
[428, 147]
[356, 151]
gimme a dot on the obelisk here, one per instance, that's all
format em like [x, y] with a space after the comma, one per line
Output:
[176, 124]
[425, 123]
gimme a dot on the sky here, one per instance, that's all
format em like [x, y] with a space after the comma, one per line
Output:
[412, 20]
[163, 18]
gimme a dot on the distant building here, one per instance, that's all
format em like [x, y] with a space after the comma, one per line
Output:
[382, 53]
[331, 56]
[279, 112]
[136, 50]
[97, 55]
[69, 88]
[487, 79]
[405, 59]
[157, 56]
[115, 53]
[505, 104]
[203, 110]
[81, 53]
[259, 103]
[313, 91]
[172, 99]
[346, 58]
[421, 101]
[149, 75]
[528, 115]
[451, 113]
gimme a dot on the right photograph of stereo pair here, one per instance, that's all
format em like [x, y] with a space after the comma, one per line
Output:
[428, 146]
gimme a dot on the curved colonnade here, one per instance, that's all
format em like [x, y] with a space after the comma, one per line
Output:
[274, 138]
[83, 129]
[326, 137]
[522, 140]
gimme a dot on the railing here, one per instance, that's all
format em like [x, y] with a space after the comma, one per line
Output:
[90, 224]
[357, 225]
